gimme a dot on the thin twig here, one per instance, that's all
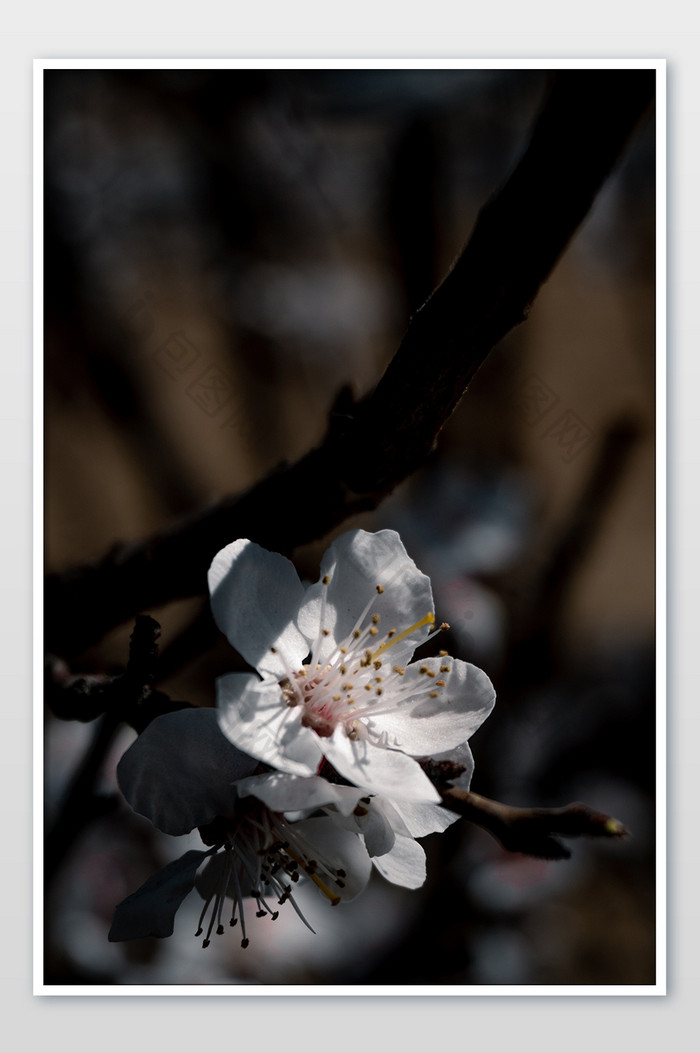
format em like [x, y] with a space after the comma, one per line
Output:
[532, 831]
[128, 698]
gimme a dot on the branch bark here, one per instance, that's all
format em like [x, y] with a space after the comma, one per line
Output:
[372, 446]
[532, 831]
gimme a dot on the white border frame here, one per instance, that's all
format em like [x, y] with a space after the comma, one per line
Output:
[657, 989]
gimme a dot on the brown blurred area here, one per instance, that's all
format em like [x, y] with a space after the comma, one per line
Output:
[224, 250]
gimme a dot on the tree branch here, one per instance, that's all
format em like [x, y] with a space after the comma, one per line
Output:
[128, 697]
[533, 831]
[372, 446]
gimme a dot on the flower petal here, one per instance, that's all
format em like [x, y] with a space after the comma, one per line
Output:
[340, 849]
[375, 828]
[356, 563]
[381, 771]
[255, 598]
[428, 725]
[180, 772]
[282, 792]
[424, 819]
[404, 865]
[150, 911]
[254, 716]
[461, 755]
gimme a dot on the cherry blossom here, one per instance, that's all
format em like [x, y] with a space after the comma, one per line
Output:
[182, 773]
[335, 679]
[388, 828]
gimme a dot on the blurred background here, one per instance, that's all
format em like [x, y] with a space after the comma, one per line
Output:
[224, 250]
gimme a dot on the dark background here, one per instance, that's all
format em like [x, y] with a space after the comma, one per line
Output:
[223, 251]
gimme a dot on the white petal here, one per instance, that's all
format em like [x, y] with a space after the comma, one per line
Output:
[392, 816]
[290, 793]
[461, 755]
[404, 865]
[375, 828]
[255, 598]
[150, 911]
[381, 771]
[424, 819]
[356, 563]
[430, 725]
[181, 771]
[340, 849]
[255, 717]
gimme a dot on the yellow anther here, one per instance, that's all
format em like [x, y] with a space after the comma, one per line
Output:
[368, 687]
[399, 669]
[274, 650]
[377, 664]
[444, 654]
[444, 627]
[375, 619]
[326, 579]
[434, 694]
[430, 672]
[336, 698]
[444, 668]
[343, 670]
[380, 589]
[373, 630]
[356, 633]
[343, 650]
[428, 620]
[440, 683]
[379, 691]
[423, 670]
[325, 631]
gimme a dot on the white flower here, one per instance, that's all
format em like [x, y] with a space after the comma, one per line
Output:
[182, 773]
[389, 828]
[335, 680]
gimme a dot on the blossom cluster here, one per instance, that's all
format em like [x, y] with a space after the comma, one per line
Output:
[310, 767]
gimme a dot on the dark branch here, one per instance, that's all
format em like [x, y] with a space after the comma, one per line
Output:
[374, 445]
[533, 831]
[127, 698]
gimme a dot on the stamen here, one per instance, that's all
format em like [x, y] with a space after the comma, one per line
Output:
[428, 620]
[443, 627]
